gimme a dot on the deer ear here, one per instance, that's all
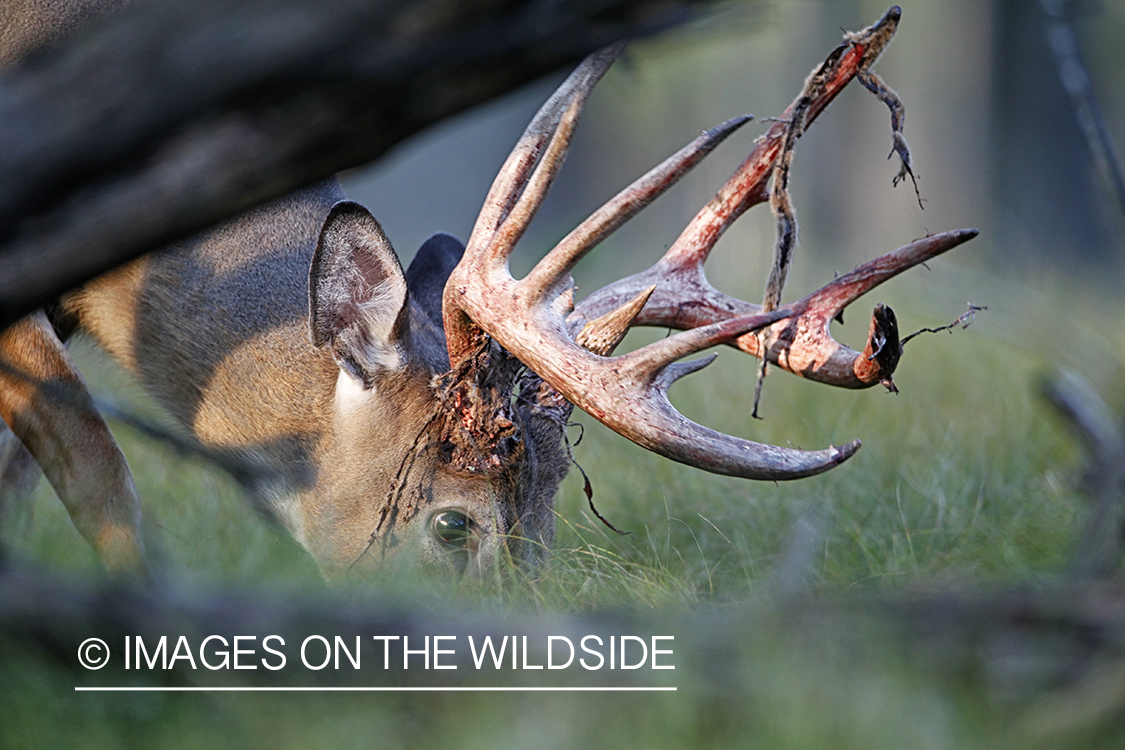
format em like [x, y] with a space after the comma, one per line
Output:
[357, 294]
[430, 269]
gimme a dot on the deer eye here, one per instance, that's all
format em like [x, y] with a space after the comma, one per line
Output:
[453, 528]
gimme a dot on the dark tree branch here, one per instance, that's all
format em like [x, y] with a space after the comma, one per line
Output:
[1020, 642]
[179, 113]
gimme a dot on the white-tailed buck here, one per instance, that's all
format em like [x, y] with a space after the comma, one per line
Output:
[424, 410]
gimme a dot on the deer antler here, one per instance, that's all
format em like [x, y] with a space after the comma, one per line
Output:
[803, 345]
[628, 393]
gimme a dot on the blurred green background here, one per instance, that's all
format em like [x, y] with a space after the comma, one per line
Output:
[967, 477]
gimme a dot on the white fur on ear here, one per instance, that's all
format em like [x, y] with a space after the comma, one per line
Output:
[350, 392]
[380, 347]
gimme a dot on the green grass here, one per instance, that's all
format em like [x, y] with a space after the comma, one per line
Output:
[965, 477]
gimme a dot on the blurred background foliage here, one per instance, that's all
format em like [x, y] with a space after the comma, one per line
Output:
[965, 477]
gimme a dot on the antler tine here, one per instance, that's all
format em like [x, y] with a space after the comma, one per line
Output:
[513, 175]
[515, 196]
[654, 357]
[601, 336]
[685, 298]
[746, 188]
[664, 430]
[624, 206]
[805, 346]
[699, 446]
[513, 226]
[834, 296]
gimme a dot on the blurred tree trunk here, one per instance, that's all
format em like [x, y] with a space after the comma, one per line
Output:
[1050, 200]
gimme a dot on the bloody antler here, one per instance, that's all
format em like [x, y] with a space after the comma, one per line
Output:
[628, 393]
[803, 345]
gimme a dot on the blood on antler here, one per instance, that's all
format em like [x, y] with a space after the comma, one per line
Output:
[569, 347]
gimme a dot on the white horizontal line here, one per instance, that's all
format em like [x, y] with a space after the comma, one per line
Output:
[144, 689]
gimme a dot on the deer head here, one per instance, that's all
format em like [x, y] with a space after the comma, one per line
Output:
[486, 432]
[483, 454]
